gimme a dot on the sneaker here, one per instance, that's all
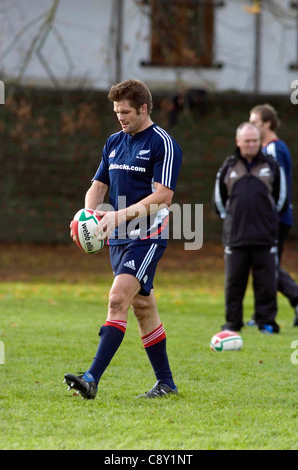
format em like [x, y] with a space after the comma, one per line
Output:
[267, 330]
[86, 388]
[295, 323]
[159, 390]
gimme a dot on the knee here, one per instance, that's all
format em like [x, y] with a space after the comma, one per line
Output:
[117, 304]
[140, 308]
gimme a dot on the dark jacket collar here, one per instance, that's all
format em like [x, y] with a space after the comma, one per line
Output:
[257, 158]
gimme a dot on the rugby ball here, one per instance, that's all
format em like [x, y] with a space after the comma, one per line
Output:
[83, 226]
[226, 341]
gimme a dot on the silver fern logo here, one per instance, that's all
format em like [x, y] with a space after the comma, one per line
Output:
[144, 154]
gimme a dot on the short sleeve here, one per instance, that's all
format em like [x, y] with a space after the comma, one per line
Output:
[168, 159]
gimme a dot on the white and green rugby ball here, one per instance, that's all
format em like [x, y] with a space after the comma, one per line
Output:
[226, 340]
[83, 227]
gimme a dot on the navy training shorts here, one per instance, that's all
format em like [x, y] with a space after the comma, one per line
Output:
[138, 258]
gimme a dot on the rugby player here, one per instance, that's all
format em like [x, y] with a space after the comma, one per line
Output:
[139, 168]
[265, 117]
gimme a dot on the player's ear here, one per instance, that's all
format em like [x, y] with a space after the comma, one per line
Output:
[266, 124]
[144, 109]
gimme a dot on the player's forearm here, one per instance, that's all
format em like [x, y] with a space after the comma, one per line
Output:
[156, 201]
[95, 195]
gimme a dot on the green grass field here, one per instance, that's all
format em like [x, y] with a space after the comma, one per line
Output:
[231, 400]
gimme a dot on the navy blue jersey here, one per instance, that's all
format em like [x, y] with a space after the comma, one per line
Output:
[130, 166]
[280, 152]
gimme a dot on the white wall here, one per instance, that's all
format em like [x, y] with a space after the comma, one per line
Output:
[80, 51]
[80, 54]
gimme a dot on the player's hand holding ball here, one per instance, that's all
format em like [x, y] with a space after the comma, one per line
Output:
[82, 231]
[108, 223]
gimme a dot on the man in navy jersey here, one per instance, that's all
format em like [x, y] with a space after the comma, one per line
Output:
[266, 119]
[139, 168]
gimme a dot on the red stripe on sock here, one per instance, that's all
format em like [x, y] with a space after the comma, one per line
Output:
[154, 337]
[120, 324]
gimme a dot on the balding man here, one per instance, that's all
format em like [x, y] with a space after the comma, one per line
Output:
[249, 193]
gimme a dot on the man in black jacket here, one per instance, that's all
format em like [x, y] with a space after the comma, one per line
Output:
[250, 191]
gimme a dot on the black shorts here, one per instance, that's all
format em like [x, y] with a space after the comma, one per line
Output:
[138, 258]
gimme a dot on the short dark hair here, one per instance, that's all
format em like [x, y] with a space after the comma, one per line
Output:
[267, 113]
[135, 91]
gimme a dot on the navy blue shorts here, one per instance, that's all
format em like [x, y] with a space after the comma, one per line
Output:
[138, 258]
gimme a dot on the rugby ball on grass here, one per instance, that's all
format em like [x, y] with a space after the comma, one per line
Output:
[83, 226]
[226, 341]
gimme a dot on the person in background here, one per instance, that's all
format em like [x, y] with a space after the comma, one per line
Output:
[249, 193]
[265, 117]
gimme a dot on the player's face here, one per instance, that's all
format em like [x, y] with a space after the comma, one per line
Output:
[249, 142]
[255, 118]
[131, 120]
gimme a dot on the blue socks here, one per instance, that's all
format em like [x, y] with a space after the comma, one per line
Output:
[111, 336]
[158, 357]
[155, 347]
[110, 339]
